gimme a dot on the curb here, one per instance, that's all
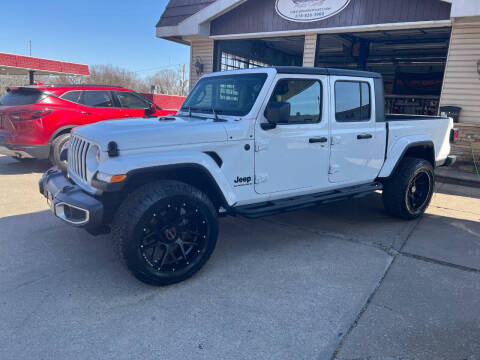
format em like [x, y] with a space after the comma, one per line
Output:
[456, 180]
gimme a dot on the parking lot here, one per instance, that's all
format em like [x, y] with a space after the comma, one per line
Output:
[339, 281]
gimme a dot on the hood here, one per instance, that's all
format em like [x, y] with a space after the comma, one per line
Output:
[139, 133]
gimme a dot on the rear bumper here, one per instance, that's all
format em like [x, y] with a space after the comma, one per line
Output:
[24, 151]
[69, 202]
[449, 161]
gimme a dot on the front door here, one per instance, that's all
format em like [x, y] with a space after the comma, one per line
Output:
[98, 105]
[295, 154]
[357, 142]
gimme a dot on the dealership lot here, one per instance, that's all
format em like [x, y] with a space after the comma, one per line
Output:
[343, 280]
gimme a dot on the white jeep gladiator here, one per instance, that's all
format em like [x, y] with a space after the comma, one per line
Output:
[247, 143]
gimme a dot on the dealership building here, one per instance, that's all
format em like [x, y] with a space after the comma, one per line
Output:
[428, 51]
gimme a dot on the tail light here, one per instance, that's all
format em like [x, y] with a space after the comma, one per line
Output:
[25, 115]
[454, 135]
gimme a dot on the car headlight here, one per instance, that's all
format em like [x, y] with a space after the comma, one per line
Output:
[94, 157]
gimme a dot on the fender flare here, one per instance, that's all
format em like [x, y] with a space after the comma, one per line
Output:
[129, 164]
[398, 151]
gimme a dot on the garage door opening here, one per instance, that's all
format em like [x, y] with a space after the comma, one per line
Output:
[411, 61]
[245, 54]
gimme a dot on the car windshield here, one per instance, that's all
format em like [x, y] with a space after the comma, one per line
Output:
[226, 95]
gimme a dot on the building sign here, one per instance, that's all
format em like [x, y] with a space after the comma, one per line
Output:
[309, 10]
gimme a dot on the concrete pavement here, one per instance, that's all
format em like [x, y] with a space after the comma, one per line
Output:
[341, 281]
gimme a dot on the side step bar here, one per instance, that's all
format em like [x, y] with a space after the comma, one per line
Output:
[295, 203]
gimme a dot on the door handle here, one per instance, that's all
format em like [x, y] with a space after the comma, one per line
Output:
[318, 140]
[86, 113]
[364, 136]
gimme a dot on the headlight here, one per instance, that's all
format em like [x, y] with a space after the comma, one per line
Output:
[112, 179]
[94, 156]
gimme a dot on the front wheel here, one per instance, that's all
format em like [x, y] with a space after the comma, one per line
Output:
[409, 191]
[165, 232]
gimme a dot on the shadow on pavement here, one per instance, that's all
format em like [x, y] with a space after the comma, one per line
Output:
[63, 289]
[11, 166]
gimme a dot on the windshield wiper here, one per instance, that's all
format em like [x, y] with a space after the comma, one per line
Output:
[216, 118]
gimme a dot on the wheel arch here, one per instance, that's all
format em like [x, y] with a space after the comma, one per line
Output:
[189, 173]
[60, 131]
[422, 149]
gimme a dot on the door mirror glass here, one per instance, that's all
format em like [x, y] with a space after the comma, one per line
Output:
[278, 112]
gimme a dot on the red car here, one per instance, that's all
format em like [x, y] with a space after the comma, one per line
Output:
[35, 121]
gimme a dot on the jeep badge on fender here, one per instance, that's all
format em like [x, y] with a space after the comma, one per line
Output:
[240, 181]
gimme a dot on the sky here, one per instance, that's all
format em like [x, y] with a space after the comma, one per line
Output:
[115, 32]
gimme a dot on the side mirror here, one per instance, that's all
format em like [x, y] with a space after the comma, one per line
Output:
[149, 111]
[278, 112]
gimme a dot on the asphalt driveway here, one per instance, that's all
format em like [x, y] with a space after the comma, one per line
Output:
[342, 281]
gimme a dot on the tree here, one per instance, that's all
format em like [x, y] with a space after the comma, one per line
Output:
[170, 82]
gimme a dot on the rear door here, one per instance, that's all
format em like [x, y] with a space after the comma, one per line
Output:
[132, 104]
[99, 105]
[357, 143]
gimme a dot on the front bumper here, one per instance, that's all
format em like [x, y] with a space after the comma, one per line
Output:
[24, 151]
[69, 202]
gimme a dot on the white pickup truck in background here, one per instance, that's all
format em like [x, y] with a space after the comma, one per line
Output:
[251, 143]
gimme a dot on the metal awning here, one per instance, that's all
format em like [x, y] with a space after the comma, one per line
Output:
[11, 64]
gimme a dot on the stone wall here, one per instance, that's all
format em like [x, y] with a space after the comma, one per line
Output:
[469, 136]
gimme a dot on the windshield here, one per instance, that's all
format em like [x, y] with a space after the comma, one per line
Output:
[21, 97]
[227, 95]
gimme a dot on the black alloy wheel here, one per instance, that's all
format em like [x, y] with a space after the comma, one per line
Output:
[409, 190]
[418, 191]
[172, 236]
[165, 231]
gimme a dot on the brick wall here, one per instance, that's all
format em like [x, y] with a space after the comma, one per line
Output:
[468, 134]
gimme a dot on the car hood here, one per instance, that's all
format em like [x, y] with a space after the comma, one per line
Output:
[141, 133]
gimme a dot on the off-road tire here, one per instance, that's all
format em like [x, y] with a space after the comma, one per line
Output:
[398, 188]
[56, 148]
[130, 219]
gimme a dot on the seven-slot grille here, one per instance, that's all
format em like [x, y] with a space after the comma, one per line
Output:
[77, 157]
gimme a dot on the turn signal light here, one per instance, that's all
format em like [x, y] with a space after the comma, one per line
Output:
[117, 178]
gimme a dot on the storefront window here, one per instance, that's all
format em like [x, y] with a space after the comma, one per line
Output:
[235, 62]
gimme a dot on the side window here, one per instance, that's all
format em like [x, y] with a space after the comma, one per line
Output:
[73, 96]
[96, 98]
[131, 101]
[352, 101]
[304, 97]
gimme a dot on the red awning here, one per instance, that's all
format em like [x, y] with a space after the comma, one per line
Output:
[21, 65]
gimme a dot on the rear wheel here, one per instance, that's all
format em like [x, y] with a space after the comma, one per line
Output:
[58, 144]
[409, 191]
[165, 232]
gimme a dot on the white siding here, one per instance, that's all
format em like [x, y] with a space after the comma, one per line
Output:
[201, 49]
[309, 50]
[461, 85]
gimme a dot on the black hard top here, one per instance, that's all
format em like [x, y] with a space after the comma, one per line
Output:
[325, 71]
